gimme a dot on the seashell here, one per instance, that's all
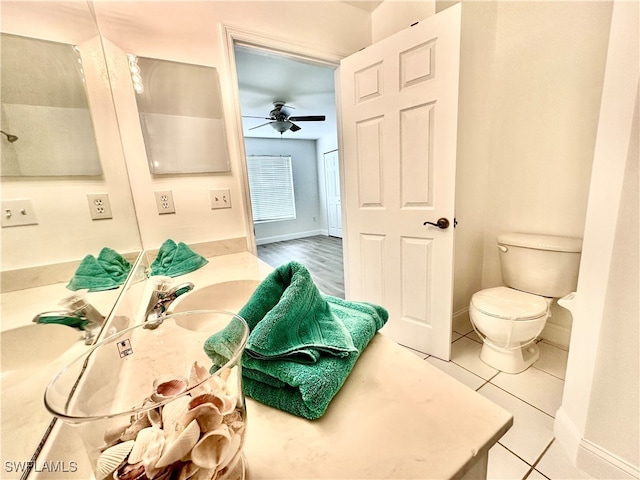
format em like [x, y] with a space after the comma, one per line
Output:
[137, 424]
[188, 470]
[202, 399]
[218, 384]
[207, 415]
[162, 475]
[203, 474]
[112, 458]
[197, 375]
[223, 403]
[116, 428]
[181, 446]
[130, 472]
[212, 448]
[172, 414]
[155, 417]
[148, 449]
[166, 387]
[236, 442]
[224, 373]
[234, 421]
[229, 404]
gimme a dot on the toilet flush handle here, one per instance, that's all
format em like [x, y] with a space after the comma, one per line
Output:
[502, 248]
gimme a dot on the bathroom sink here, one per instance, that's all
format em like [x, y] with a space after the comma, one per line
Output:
[30, 357]
[35, 345]
[228, 296]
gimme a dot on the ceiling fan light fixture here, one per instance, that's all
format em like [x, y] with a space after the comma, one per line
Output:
[281, 126]
[281, 119]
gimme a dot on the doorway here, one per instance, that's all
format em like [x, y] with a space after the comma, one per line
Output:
[303, 88]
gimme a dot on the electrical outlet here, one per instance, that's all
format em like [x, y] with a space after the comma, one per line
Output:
[17, 212]
[164, 202]
[220, 198]
[99, 206]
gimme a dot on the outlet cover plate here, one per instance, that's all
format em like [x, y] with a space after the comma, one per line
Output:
[18, 212]
[99, 206]
[220, 198]
[164, 202]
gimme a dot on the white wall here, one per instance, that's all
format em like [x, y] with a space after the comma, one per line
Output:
[391, 16]
[548, 71]
[477, 72]
[531, 77]
[193, 32]
[614, 410]
[598, 421]
[304, 164]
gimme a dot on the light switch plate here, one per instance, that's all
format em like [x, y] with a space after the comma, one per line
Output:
[220, 198]
[164, 202]
[18, 212]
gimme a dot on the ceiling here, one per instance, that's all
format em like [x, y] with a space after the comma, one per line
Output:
[367, 5]
[264, 77]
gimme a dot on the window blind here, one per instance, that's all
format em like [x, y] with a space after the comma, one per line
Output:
[271, 188]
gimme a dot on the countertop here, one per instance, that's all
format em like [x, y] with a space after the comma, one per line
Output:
[396, 416]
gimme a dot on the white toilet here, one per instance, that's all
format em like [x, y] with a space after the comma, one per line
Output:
[535, 269]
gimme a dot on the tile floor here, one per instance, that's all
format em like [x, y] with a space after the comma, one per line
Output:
[528, 449]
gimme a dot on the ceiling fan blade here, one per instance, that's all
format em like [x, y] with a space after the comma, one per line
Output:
[253, 128]
[294, 127]
[308, 118]
[251, 116]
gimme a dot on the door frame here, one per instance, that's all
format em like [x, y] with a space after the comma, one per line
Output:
[233, 35]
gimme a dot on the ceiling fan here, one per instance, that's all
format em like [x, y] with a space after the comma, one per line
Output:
[281, 120]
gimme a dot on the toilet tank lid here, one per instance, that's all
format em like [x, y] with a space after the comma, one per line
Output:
[541, 242]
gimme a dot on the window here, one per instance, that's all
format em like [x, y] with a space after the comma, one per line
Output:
[271, 187]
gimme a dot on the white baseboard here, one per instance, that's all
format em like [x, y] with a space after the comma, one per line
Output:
[588, 456]
[603, 464]
[289, 236]
[556, 334]
[567, 434]
[461, 322]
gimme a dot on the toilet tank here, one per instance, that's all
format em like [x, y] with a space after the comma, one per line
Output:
[540, 264]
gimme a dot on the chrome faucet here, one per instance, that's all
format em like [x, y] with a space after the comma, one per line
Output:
[161, 297]
[76, 306]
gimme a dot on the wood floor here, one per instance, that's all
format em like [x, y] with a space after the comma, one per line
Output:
[320, 254]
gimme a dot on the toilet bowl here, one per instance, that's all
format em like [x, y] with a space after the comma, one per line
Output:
[535, 269]
[508, 321]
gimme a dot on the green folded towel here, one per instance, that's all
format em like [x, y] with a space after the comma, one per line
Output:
[70, 321]
[290, 319]
[300, 377]
[176, 259]
[106, 272]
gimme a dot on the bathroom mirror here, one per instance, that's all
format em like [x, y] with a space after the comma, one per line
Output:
[46, 123]
[180, 110]
[38, 259]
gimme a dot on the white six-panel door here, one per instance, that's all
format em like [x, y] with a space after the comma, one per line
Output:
[399, 104]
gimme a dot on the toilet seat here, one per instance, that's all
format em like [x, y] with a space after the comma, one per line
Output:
[509, 304]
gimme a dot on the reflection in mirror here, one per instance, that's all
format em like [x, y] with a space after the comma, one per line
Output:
[45, 112]
[180, 109]
[38, 260]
